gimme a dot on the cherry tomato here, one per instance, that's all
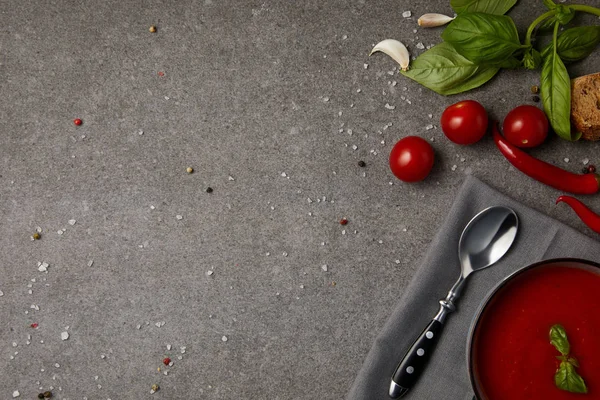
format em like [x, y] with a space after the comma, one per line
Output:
[411, 159]
[525, 126]
[464, 122]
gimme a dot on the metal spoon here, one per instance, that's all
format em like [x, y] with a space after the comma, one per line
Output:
[485, 240]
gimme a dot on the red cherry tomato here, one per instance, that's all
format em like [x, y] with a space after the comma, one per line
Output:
[525, 126]
[411, 159]
[464, 122]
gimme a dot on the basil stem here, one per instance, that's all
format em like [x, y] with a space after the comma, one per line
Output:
[586, 9]
[535, 23]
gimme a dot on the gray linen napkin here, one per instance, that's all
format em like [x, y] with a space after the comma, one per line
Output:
[540, 237]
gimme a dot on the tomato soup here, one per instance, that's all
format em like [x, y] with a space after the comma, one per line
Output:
[512, 355]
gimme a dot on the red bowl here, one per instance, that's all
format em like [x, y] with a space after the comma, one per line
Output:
[509, 354]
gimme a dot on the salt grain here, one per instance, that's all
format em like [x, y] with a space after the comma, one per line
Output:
[389, 107]
[454, 167]
[420, 46]
[429, 127]
[168, 347]
[224, 338]
[90, 263]
[585, 161]
[72, 222]
[406, 14]
[179, 216]
[64, 335]
[209, 273]
[325, 99]
[324, 267]
[16, 393]
[566, 159]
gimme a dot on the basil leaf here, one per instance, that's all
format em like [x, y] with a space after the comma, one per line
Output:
[575, 44]
[558, 339]
[446, 72]
[550, 5]
[483, 38]
[556, 97]
[566, 378]
[497, 7]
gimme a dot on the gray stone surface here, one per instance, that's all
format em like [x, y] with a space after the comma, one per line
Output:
[244, 96]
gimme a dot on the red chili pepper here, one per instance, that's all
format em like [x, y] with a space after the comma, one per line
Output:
[546, 173]
[588, 217]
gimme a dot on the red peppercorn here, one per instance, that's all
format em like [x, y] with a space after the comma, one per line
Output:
[160, 73]
[34, 325]
[167, 361]
[591, 169]
[343, 221]
[77, 121]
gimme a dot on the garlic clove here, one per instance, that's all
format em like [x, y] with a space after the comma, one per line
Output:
[432, 20]
[394, 49]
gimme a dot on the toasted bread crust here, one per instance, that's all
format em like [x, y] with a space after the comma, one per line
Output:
[585, 105]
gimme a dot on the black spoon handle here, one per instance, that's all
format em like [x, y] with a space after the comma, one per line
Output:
[415, 360]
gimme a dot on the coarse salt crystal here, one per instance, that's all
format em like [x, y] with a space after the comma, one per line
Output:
[209, 273]
[406, 14]
[365, 66]
[90, 263]
[566, 159]
[168, 347]
[585, 161]
[16, 393]
[358, 90]
[224, 338]
[179, 216]
[325, 99]
[64, 335]
[230, 178]
[429, 127]
[420, 46]
[324, 267]
[354, 147]
[72, 222]
[453, 167]
[389, 107]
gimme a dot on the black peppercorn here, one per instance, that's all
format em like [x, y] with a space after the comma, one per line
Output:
[536, 99]
[47, 394]
[209, 190]
[362, 164]
[41, 396]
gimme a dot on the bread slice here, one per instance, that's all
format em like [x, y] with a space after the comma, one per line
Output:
[585, 105]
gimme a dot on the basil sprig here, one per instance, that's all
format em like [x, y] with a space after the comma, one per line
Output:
[566, 378]
[481, 40]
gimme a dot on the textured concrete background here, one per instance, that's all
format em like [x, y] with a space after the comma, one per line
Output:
[260, 98]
